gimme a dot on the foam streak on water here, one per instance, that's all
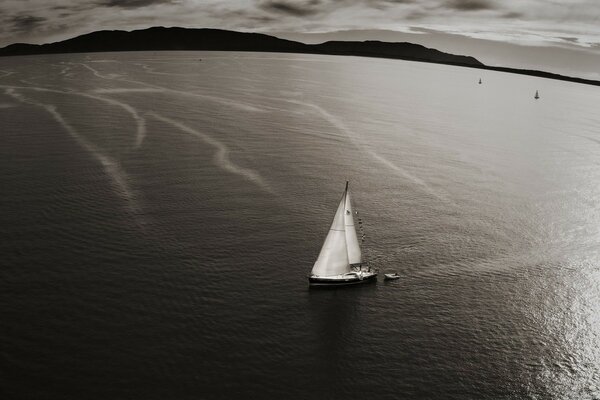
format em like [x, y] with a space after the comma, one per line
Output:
[356, 139]
[160, 212]
[139, 120]
[224, 101]
[221, 157]
[111, 166]
[6, 73]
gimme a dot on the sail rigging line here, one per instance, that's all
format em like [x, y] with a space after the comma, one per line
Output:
[362, 232]
[352, 244]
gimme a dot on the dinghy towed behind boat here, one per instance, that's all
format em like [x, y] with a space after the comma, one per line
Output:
[340, 260]
[391, 277]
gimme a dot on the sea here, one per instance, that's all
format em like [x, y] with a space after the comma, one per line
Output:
[160, 213]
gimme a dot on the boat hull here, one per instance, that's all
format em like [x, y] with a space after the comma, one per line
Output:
[334, 282]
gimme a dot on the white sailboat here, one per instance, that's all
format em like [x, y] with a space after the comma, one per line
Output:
[537, 95]
[340, 259]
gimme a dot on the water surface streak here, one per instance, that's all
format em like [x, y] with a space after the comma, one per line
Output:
[111, 166]
[140, 121]
[359, 142]
[160, 212]
[221, 157]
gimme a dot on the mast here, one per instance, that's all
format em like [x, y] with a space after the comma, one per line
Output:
[353, 247]
[333, 258]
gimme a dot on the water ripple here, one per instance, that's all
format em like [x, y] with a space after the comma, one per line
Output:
[221, 157]
[336, 122]
[111, 166]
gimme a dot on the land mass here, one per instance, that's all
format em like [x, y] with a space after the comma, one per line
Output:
[160, 38]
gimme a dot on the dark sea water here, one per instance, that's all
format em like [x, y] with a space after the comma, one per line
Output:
[159, 216]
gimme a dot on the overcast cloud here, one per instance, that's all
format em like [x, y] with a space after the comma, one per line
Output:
[529, 22]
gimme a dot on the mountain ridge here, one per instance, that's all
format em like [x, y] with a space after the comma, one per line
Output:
[160, 38]
[174, 38]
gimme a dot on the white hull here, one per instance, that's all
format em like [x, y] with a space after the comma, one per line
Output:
[339, 262]
[351, 278]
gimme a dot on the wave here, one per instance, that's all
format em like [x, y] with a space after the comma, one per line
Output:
[6, 73]
[96, 72]
[220, 100]
[128, 90]
[591, 139]
[333, 120]
[221, 157]
[64, 69]
[140, 121]
[111, 166]
[150, 70]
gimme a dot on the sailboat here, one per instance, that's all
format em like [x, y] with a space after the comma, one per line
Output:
[340, 260]
[537, 95]
[480, 81]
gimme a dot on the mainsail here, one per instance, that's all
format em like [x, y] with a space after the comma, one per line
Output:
[340, 248]
[354, 254]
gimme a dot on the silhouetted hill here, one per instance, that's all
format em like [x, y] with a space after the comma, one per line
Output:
[541, 74]
[406, 51]
[159, 38]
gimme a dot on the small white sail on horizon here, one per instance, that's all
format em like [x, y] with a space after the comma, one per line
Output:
[340, 249]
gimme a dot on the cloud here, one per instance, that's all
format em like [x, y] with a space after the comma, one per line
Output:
[470, 5]
[386, 4]
[133, 3]
[512, 15]
[294, 8]
[569, 39]
[377, 3]
[394, 2]
[540, 22]
[25, 23]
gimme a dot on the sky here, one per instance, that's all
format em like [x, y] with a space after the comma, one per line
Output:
[571, 26]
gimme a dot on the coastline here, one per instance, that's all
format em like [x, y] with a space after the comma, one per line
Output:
[188, 39]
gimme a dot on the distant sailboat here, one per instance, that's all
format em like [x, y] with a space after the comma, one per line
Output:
[480, 81]
[537, 95]
[340, 260]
